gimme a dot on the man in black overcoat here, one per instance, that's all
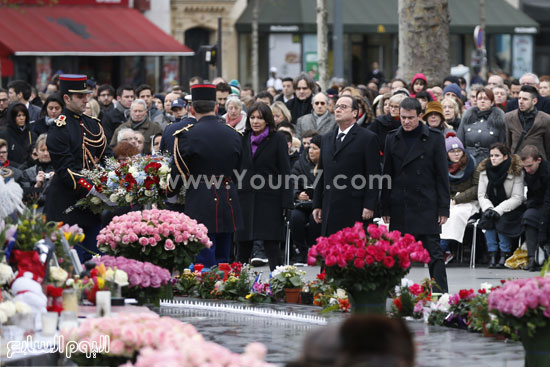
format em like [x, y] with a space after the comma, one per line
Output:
[75, 142]
[417, 202]
[348, 188]
[206, 155]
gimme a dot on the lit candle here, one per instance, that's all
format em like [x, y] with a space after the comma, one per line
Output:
[103, 303]
[70, 300]
[49, 323]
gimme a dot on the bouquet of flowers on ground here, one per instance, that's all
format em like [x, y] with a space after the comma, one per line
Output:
[237, 284]
[165, 238]
[522, 304]
[410, 299]
[106, 278]
[148, 340]
[286, 276]
[10, 309]
[359, 262]
[141, 180]
[147, 282]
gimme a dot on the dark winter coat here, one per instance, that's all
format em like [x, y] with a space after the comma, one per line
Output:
[419, 191]
[20, 141]
[303, 169]
[381, 126]
[359, 154]
[262, 207]
[113, 119]
[478, 134]
[299, 108]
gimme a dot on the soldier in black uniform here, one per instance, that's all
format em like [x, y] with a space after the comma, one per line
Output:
[207, 153]
[75, 142]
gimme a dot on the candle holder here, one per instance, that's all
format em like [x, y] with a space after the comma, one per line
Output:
[70, 300]
[103, 303]
[49, 323]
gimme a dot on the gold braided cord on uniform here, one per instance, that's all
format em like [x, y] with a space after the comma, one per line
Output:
[98, 143]
[72, 174]
[178, 155]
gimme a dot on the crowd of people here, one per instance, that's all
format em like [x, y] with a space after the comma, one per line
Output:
[453, 152]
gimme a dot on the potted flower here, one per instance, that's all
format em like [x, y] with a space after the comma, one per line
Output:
[166, 238]
[524, 306]
[367, 267]
[287, 280]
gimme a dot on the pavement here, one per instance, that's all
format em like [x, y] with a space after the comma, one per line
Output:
[459, 276]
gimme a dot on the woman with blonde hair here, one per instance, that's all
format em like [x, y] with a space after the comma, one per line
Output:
[280, 113]
[451, 112]
[92, 108]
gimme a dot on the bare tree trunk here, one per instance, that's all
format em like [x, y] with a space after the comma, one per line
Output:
[424, 39]
[255, 58]
[322, 43]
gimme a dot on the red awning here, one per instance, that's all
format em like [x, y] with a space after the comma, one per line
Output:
[83, 31]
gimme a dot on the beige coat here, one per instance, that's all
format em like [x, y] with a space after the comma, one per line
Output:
[513, 185]
[538, 135]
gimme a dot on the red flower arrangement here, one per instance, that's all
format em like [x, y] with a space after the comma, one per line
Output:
[358, 262]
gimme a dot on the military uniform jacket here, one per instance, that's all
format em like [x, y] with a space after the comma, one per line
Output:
[205, 153]
[75, 142]
[420, 190]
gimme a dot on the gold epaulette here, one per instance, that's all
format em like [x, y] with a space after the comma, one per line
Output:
[94, 118]
[234, 129]
[60, 121]
[183, 129]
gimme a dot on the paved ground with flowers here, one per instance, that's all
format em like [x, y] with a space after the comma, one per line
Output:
[437, 346]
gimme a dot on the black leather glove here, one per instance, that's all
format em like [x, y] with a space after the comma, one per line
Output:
[492, 214]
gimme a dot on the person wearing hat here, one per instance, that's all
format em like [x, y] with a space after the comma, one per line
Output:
[434, 117]
[167, 140]
[178, 109]
[453, 90]
[206, 155]
[463, 179]
[273, 80]
[75, 142]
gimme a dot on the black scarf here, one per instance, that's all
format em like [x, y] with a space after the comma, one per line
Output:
[497, 176]
[484, 114]
[527, 118]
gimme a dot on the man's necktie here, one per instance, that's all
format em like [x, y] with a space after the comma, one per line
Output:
[339, 140]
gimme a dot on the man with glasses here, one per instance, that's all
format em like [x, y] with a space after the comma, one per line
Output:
[301, 105]
[320, 119]
[530, 79]
[3, 108]
[105, 96]
[349, 161]
[14, 172]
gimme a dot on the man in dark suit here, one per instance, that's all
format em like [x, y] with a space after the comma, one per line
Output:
[417, 202]
[207, 153]
[347, 190]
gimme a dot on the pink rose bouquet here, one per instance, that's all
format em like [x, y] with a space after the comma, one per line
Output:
[359, 262]
[163, 237]
[522, 303]
[148, 340]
